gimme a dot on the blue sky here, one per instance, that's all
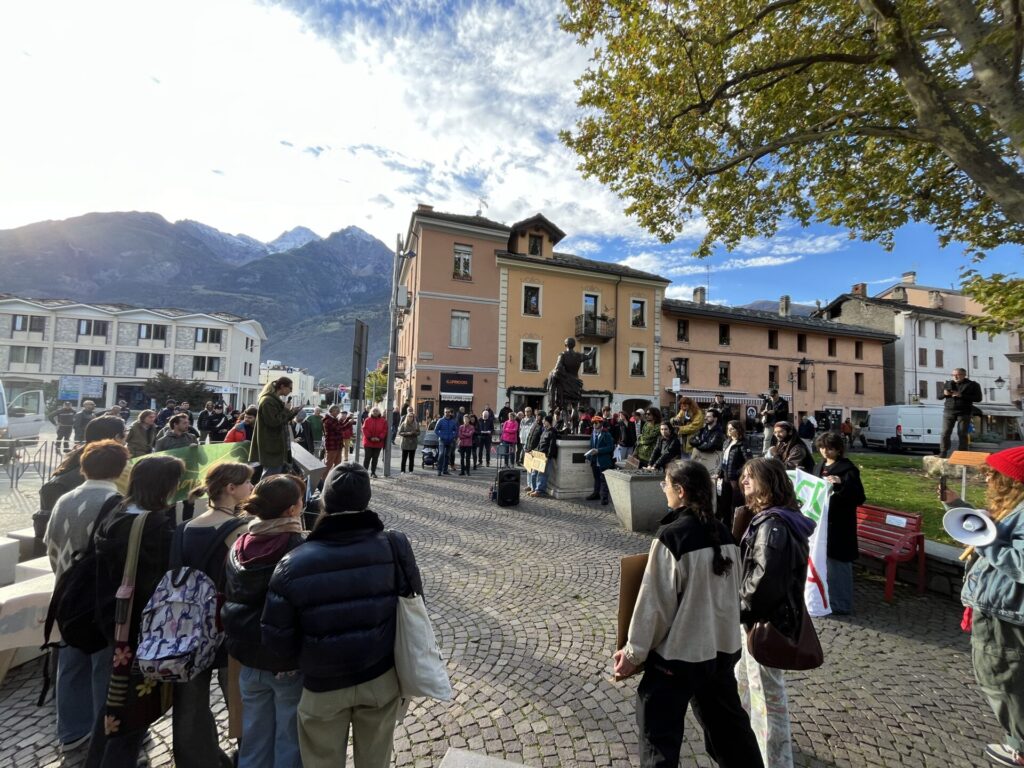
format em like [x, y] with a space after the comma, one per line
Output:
[255, 117]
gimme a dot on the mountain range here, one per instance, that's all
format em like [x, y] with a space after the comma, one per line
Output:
[305, 290]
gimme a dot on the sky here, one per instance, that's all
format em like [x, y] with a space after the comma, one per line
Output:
[256, 117]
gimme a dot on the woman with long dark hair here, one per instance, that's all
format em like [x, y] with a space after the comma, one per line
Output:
[727, 478]
[847, 494]
[685, 630]
[774, 549]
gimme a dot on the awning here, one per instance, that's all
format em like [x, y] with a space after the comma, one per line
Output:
[731, 398]
[1005, 411]
[457, 397]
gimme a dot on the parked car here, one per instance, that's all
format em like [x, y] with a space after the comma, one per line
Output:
[22, 418]
[905, 428]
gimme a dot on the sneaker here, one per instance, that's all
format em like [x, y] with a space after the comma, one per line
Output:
[592, 497]
[540, 494]
[1002, 754]
[75, 743]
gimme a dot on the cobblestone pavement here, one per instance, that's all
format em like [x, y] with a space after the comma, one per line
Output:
[524, 602]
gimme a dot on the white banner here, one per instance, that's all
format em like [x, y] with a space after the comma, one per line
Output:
[813, 493]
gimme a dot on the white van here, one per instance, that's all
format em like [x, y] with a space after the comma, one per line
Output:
[905, 428]
[22, 417]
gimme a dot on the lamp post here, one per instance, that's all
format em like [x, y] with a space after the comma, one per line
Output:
[401, 255]
[677, 365]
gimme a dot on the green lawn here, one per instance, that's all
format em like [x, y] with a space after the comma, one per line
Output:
[899, 482]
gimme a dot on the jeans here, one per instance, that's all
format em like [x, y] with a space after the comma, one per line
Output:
[408, 457]
[840, 586]
[370, 459]
[81, 691]
[483, 450]
[443, 453]
[665, 692]
[950, 420]
[465, 460]
[600, 486]
[270, 732]
[507, 453]
[193, 727]
[537, 481]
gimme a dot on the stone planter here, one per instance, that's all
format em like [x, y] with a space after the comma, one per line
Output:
[638, 498]
[569, 476]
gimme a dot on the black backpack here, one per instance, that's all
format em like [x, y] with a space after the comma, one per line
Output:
[73, 603]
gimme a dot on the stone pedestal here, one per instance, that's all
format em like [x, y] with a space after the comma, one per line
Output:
[569, 476]
[638, 498]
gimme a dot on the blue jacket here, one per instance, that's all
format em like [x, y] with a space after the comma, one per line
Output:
[604, 444]
[446, 429]
[995, 583]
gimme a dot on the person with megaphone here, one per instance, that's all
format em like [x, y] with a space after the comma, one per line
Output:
[993, 594]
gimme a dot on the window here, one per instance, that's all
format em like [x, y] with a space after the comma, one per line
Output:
[723, 334]
[531, 300]
[683, 370]
[535, 244]
[938, 389]
[974, 361]
[858, 350]
[773, 339]
[590, 304]
[637, 362]
[922, 390]
[801, 342]
[682, 330]
[590, 366]
[921, 328]
[94, 358]
[207, 364]
[938, 330]
[832, 345]
[460, 330]
[974, 334]
[29, 355]
[208, 335]
[19, 322]
[462, 265]
[638, 313]
[833, 381]
[858, 383]
[530, 355]
[801, 379]
[92, 328]
[148, 361]
[33, 323]
[723, 373]
[991, 364]
[938, 359]
[922, 357]
[151, 331]
[773, 376]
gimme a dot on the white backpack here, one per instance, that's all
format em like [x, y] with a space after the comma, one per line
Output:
[180, 631]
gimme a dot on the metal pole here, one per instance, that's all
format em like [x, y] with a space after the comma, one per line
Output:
[389, 401]
[359, 425]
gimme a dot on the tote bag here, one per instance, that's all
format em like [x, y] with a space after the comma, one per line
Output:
[418, 662]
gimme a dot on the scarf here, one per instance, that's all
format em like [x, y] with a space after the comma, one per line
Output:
[273, 527]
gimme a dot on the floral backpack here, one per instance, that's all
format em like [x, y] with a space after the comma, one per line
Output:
[180, 630]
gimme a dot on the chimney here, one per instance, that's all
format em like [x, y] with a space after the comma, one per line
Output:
[700, 295]
[859, 289]
[935, 299]
[424, 207]
[909, 278]
[784, 306]
[899, 293]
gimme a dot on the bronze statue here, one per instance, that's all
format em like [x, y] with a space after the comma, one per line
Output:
[565, 389]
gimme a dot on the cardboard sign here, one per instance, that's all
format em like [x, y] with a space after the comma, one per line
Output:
[535, 461]
[631, 576]
[968, 458]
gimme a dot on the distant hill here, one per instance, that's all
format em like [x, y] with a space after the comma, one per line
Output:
[306, 296]
[767, 305]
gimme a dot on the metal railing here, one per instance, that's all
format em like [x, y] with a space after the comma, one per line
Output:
[22, 456]
[594, 327]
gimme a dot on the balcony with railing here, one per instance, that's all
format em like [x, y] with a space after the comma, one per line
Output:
[595, 327]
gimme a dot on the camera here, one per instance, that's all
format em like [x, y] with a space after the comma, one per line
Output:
[765, 396]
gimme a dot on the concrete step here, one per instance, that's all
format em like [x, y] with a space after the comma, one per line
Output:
[10, 550]
[463, 758]
[26, 538]
[29, 569]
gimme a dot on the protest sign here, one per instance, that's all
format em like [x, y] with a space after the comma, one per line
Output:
[812, 492]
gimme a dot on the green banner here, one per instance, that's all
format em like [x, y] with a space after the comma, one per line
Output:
[198, 459]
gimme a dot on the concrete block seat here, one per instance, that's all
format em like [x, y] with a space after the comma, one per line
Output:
[463, 758]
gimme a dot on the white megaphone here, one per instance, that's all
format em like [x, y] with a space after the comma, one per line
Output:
[972, 527]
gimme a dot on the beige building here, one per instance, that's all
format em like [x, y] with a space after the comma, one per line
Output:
[817, 365]
[303, 384]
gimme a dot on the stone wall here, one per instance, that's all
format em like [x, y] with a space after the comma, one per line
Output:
[183, 367]
[124, 363]
[67, 330]
[5, 358]
[185, 338]
[5, 325]
[127, 334]
[63, 360]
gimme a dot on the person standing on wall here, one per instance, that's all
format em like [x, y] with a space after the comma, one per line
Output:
[271, 436]
[775, 409]
[960, 394]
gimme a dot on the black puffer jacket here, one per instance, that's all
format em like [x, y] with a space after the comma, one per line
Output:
[247, 572]
[332, 601]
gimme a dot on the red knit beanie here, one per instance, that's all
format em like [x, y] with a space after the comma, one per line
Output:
[1009, 462]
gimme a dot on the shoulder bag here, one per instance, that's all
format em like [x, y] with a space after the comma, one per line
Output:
[418, 663]
[771, 648]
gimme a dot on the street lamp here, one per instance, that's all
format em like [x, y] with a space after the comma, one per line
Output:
[1000, 382]
[401, 255]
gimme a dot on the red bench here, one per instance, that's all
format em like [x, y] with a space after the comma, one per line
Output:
[893, 537]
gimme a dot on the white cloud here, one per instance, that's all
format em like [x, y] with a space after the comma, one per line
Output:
[786, 245]
[681, 291]
[580, 246]
[885, 280]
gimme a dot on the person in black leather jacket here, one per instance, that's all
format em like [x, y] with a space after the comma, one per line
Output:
[333, 602]
[666, 450]
[774, 549]
[270, 684]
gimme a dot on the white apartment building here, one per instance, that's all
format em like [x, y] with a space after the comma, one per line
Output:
[303, 383]
[106, 352]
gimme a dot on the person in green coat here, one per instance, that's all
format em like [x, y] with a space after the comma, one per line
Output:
[648, 436]
[316, 423]
[271, 437]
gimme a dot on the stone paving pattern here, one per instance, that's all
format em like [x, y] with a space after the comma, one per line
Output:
[523, 601]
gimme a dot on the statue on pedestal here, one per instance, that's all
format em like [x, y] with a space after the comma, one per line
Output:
[564, 385]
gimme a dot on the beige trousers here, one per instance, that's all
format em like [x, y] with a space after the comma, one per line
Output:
[324, 719]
